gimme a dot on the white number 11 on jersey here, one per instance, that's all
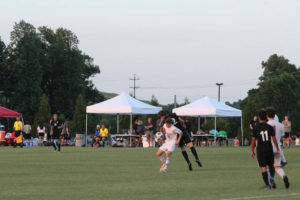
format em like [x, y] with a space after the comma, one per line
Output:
[264, 135]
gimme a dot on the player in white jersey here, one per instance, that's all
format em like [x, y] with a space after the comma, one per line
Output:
[279, 133]
[171, 140]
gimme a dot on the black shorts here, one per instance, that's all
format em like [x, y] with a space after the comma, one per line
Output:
[265, 158]
[55, 136]
[41, 134]
[17, 134]
[27, 136]
[185, 139]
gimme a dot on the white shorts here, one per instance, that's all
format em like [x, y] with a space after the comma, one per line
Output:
[168, 147]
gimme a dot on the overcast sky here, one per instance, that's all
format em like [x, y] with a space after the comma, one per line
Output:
[175, 47]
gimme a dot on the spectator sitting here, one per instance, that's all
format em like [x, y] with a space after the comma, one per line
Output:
[236, 142]
[96, 136]
[26, 130]
[103, 134]
[246, 142]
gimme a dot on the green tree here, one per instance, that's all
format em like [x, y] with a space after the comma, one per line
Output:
[25, 69]
[279, 87]
[44, 113]
[78, 122]
[3, 72]
[154, 101]
[67, 67]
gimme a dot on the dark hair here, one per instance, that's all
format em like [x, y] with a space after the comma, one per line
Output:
[41, 125]
[271, 112]
[162, 113]
[262, 114]
[169, 121]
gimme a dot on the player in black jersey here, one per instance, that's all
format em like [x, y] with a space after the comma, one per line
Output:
[263, 133]
[55, 131]
[185, 139]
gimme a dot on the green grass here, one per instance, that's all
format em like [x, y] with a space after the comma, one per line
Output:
[38, 173]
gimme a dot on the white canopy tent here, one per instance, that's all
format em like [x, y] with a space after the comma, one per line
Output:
[122, 104]
[208, 107]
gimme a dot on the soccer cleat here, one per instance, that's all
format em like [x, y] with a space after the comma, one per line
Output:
[272, 181]
[162, 168]
[283, 164]
[267, 187]
[190, 166]
[199, 163]
[286, 182]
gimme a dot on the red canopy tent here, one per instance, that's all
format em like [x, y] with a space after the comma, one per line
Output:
[4, 112]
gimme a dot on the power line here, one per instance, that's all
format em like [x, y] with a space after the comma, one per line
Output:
[134, 79]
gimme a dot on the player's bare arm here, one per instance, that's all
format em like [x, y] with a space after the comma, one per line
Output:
[276, 145]
[253, 146]
[179, 138]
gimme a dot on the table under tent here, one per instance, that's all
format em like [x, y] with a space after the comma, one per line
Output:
[122, 104]
[208, 107]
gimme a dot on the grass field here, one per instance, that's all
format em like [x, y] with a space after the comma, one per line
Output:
[38, 173]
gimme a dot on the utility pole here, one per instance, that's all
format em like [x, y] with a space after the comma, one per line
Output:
[175, 101]
[134, 79]
[219, 85]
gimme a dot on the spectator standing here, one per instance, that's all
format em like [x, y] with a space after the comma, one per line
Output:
[287, 126]
[253, 122]
[27, 133]
[103, 134]
[140, 130]
[41, 131]
[149, 131]
[66, 133]
[18, 126]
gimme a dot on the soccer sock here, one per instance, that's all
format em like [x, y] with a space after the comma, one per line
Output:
[54, 146]
[280, 172]
[168, 161]
[58, 147]
[194, 153]
[282, 156]
[265, 177]
[162, 159]
[186, 157]
[272, 171]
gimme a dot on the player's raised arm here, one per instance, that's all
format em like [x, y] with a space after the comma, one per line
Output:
[253, 143]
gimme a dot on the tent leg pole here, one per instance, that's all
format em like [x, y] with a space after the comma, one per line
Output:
[86, 127]
[130, 137]
[118, 119]
[215, 129]
[198, 123]
[242, 132]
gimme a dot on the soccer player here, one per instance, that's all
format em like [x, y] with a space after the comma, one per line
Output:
[55, 127]
[169, 146]
[185, 140]
[279, 133]
[263, 133]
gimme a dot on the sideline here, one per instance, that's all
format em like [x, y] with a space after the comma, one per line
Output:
[266, 196]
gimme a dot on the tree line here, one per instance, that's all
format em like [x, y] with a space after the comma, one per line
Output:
[42, 61]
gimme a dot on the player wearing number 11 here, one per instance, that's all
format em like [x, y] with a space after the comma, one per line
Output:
[264, 134]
